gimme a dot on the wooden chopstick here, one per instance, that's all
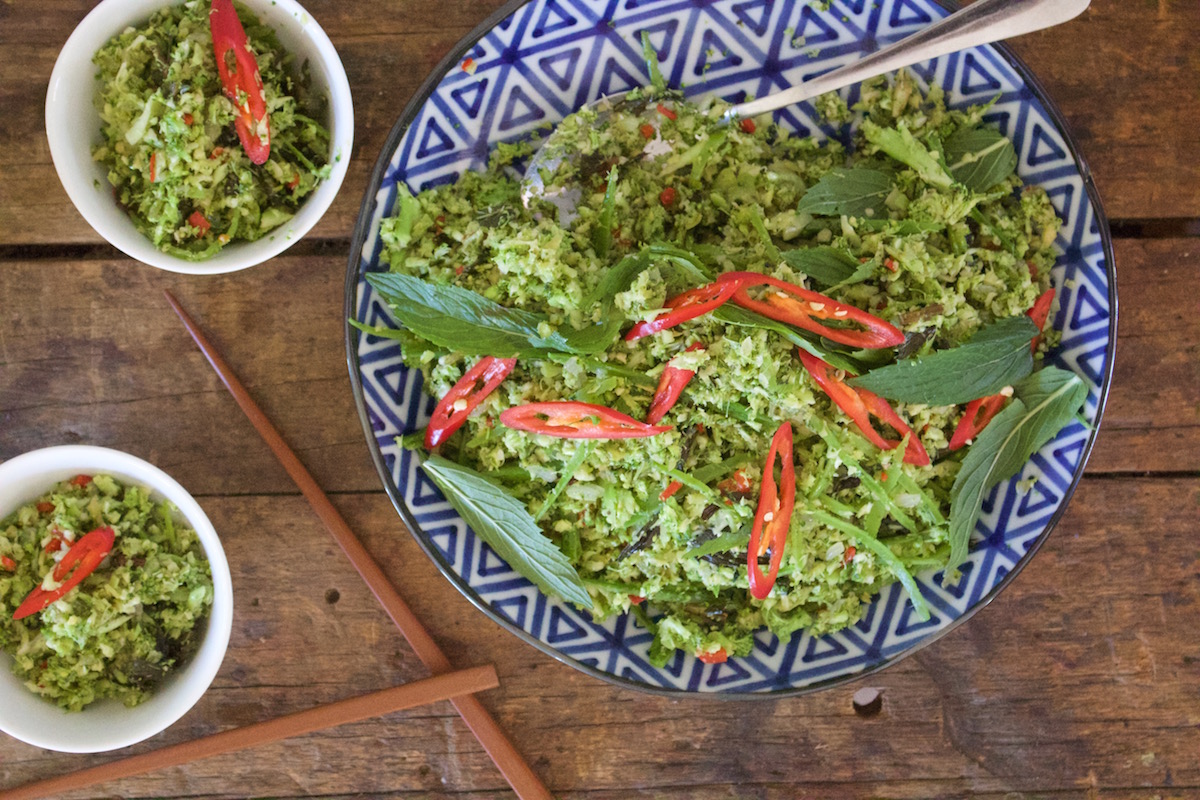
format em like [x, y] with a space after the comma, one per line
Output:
[520, 775]
[429, 690]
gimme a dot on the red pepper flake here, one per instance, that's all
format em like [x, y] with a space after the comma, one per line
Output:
[890, 263]
[8, 563]
[469, 66]
[666, 112]
[748, 125]
[1032, 267]
[459, 269]
[216, 152]
[716, 657]
[154, 167]
[294, 182]
[883, 476]
[199, 222]
[848, 556]
[647, 130]
[54, 545]
[667, 196]
[44, 507]
[81, 480]
[672, 488]
[188, 119]
[636, 599]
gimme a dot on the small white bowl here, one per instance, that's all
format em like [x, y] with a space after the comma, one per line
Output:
[108, 724]
[73, 128]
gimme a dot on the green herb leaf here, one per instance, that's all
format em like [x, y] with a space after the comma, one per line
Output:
[730, 540]
[995, 357]
[652, 67]
[502, 522]
[828, 266]
[980, 157]
[853, 192]
[581, 454]
[459, 319]
[900, 144]
[399, 227]
[602, 233]
[1043, 404]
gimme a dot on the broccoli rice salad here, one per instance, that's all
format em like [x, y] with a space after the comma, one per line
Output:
[103, 592]
[754, 377]
[202, 152]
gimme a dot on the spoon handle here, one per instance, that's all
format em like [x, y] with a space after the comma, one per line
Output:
[980, 23]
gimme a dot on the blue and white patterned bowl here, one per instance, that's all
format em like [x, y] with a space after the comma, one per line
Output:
[534, 62]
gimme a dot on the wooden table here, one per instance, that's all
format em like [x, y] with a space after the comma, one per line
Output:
[1081, 680]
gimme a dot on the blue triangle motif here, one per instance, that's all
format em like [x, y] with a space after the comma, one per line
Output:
[560, 67]
[822, 647]
[915, 15]
[552, 19]
[1087, 310]
[391, 378]
[1001, 119]
[727, 672]
[856, 6]
[520, 109]
[445, 540]
[746, 13]
[615, 78]
[956, 590]
[562, 628]
[424, 490]
[515, 608]
[1043, 148]
[710, 43]
[1068, 457]
[470, 98]
[490, 563]
[909, 623]
[810, 19]
[1063, 197]
[674, 667]
[434, 141]
[1035, 500]
[975, 77]
[662, 37]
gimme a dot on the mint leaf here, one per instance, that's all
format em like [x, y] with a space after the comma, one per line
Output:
[502, 522]
[602, 233]
[1043, 404]
[995, 357]
[828, 266]
[980, 157]
[900, 144]
[853, 192]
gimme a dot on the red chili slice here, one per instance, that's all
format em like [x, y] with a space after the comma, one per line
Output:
[1039, 312]
[240, 78]
[569, 419]
[458, 403]
[689, 305]
[79, 562]
[978, 414]
[670, 386]
[860, 405]
[200, 222]
[718, 656]
[774, 514]
[7, 563]
[803, 308]
[672, 488]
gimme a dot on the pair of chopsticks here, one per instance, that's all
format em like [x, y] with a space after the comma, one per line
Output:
[458, 687]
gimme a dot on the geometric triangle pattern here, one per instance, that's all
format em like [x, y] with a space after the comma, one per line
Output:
[549, 57]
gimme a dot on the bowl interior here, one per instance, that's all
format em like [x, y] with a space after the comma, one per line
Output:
[108, 724]
[537, 61]
[73, 129]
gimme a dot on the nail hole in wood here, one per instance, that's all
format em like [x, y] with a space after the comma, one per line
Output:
[868, 702]
[332, 596]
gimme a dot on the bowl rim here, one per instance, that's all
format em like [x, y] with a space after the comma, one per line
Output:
[96, 28]
[352, 337]
[40, 467]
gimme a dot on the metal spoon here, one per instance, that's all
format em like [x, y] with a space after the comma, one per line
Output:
[978, 24]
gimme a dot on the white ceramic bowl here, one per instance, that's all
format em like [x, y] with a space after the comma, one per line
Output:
[108, 724]
[73, 128]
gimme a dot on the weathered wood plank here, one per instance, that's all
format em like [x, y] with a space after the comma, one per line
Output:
[1080, 677]
[1134, 55]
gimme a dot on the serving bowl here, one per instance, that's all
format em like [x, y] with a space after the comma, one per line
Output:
[73, 127]
[108, 724]
[534, 62]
